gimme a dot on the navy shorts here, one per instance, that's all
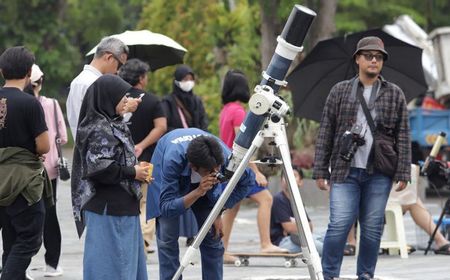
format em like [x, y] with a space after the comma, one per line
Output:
[255, 188]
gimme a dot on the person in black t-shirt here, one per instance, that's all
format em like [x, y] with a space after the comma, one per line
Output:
[24, 137]
[21, 120]
[283, 228]
[147, 124]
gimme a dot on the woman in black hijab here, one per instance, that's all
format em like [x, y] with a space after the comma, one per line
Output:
[105, 183]
[182, 107]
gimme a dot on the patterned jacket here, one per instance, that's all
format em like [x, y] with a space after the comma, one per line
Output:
[340, 114]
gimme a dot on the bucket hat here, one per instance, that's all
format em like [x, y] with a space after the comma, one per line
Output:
[371, 43]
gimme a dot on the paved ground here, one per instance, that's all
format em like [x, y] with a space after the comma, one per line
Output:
[245, 237]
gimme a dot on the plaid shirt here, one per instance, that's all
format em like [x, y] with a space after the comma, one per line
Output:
[339, 115]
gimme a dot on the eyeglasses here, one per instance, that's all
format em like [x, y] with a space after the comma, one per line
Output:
[119, 63]
[370, 56]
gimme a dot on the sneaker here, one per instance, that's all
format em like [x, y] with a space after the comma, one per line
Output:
[53, 272]
[365, 276]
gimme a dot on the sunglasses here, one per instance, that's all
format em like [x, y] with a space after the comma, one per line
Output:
[370, 56]
[38, 82]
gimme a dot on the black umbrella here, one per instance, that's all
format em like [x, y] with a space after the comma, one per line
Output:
[331, 61]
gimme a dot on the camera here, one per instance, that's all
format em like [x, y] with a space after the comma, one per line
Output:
[438, 174]
[220, 177]
[350, 142]
[63, 169]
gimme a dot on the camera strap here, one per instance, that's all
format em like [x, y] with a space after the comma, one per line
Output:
[367, 113]
[364, 106]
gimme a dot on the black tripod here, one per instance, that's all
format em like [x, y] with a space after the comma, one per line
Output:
[445, 211]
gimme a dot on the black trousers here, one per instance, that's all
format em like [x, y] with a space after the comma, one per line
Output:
[52, 233]
[22, 236]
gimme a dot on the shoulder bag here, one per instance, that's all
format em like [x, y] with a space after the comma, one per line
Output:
[385, 156]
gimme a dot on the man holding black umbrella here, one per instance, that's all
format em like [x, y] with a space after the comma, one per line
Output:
[359, 186]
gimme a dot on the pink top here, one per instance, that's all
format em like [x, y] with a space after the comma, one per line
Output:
[51, 158]
[231, 116]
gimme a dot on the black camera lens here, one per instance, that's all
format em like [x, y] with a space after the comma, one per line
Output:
[350, 142]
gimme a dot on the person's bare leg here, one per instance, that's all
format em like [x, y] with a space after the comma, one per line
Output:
[423, 219]
[148, 227]
[350, 246]
[227, 221]
[264, 200]
[351, 237]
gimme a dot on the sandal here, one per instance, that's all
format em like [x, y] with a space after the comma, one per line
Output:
[349, 250]
[443, 250]
[410, 248]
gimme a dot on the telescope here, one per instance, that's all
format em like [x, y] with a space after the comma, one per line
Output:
[265, 102]
[265, 119]
[434, 151]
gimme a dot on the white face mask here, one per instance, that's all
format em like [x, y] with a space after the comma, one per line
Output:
[186, 85]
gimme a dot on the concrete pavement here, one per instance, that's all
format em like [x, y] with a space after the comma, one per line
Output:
[245, 238]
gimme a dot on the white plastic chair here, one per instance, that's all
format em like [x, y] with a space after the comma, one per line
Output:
[394, 237]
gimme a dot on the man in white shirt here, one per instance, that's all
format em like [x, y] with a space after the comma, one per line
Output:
[111, 54]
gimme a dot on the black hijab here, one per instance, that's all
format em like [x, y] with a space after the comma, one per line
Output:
[102, 98]
[187, 98]
[192, 106]
[102, 139]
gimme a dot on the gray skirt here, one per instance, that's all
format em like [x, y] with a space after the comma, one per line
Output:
[114, 248]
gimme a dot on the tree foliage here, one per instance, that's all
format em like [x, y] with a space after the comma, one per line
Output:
[216, 38]
[60, 32]
[358, 15]
[219, 34]
[36, 25]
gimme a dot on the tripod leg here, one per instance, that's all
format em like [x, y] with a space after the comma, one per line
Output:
[306, 240]
[193, 249]
[430, 241]
[445, 210]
